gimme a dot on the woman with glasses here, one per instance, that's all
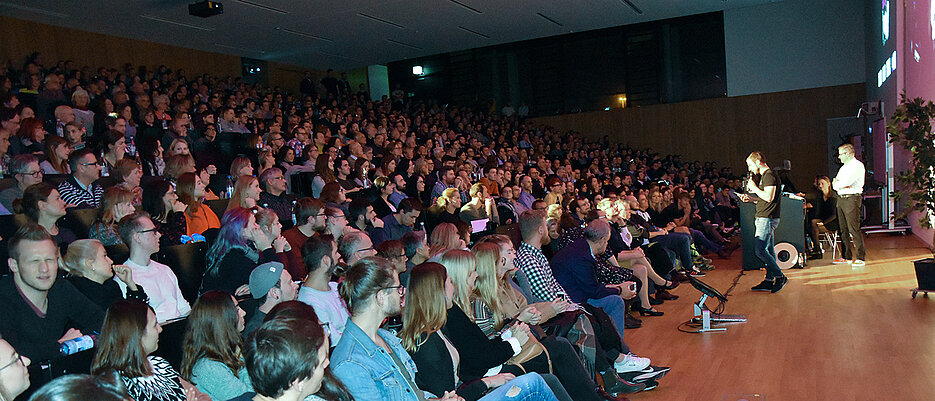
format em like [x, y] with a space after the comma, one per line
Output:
[213, 359]
[92, 272]
[116, 203]
[42, 204]
[162, 204]
[125, 346]
[240, 247]
[14, 376]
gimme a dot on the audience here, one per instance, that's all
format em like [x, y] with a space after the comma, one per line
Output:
[92, 272]
[213, 345]
[116, 204]
[270, 284]
[81, 188]
[321, 257]
[26, 172]
[42, 205]
[241, 246]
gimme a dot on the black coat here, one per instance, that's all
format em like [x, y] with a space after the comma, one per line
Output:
[436, 372]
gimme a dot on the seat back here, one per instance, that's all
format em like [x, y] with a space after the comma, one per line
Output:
[188, 263]
[218, 206]
[80, 221]
[118, 253]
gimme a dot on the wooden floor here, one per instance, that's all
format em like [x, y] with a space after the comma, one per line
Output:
[833, 333]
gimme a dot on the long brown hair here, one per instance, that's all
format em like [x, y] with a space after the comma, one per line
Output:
[120, 345]
[113, 196]
[425, 311]
[186, 192]
[212, 333]
[52, 142]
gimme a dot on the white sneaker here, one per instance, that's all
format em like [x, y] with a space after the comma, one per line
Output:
[858, 263]
[631, 363]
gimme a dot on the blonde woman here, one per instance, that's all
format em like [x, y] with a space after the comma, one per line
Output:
[92, 272]
[443, 239]
[246, 193]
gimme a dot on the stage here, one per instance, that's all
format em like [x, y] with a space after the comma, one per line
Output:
[833, 333]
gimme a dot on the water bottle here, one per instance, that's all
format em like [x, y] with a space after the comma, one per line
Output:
[104, 170]
[79, 344]
[294, 220]
[230, 188]
[165, 125]
[131, 148]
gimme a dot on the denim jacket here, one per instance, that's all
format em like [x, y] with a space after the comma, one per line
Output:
[368, 371]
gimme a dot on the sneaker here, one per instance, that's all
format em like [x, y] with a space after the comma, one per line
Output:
[840, 261]
[779, 283]
[650, 373]
[858, 263]
[696, 273]
[631, 363]
[766, 285]
[650, 384]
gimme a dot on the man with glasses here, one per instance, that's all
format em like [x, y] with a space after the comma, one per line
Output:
[849, 184]
[26, 172]
[310, 219]
[270, 285]
[274, 195]
[37, 311]
[81, 187]
[320, 254]
[162, 286]
[355, 245]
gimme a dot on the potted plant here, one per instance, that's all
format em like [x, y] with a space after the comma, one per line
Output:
[911, 127]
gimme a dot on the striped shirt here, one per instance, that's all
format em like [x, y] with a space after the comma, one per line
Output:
[74, 193]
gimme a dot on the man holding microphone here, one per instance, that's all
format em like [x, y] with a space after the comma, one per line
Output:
[849, 184]
[766, 220]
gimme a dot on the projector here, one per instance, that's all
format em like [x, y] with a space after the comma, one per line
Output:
[205, 9]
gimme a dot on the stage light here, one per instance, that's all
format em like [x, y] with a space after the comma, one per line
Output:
[623, 101]
[417, 70]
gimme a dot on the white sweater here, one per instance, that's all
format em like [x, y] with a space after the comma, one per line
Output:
[162, 287]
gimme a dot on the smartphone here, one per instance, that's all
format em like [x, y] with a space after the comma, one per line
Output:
[561, 295]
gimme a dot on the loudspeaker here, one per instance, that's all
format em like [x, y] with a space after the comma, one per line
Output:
[789, 237]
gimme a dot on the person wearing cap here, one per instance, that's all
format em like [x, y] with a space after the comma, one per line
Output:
[270, 284]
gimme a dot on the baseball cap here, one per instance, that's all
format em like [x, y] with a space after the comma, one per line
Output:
[264, 277]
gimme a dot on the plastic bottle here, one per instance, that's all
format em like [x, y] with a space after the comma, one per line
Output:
[79, 344]
[230, 188]
[131, 148]
[293, 214]
[104, 170]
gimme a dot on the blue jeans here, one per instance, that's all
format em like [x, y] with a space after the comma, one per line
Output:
[765, 250]
[531, 387]
[679, 243]
[614, 307]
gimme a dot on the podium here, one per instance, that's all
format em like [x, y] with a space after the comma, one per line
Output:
[789, 237]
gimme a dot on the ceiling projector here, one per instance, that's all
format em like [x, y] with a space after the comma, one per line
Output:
[205, 9]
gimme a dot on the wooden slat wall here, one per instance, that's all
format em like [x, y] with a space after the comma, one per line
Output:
[784, 125]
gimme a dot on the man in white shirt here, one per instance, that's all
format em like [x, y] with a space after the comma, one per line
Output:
[139, 233]
[849, 184]
[320, 254]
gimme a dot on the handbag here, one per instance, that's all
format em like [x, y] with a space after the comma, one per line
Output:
[531, 349]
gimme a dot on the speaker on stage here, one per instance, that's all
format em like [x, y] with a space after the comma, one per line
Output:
[789, 237]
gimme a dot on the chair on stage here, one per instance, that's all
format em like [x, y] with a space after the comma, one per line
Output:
[828, 238]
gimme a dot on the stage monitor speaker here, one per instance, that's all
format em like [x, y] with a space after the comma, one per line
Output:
[789, 237]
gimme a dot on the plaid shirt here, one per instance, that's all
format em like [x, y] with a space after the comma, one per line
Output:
[534, 264]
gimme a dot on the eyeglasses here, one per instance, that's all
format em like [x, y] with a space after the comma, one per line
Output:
[32, 173]
[151, 230]
[401, 289]
[16, 358]
[364, 249]
[89, 164]
[327, 328]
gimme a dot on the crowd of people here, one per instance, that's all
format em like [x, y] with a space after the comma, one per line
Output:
[365, 249]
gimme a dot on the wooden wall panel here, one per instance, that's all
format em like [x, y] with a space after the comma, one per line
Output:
[784, 125]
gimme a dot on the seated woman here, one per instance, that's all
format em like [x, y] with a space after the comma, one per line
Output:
[334, 196]
[213, 359]
[150, 152]
[42, 205]
[246, 193]
[558, 357]
[168, 214]
[265, 159]
[128, 338]
[272, 229]
[178, 146]
[430, 294]
[56, 156]
[240, 246]
[15, 378]
[116, 203]
[178, 165]
[443, 239]
[381, 204]
[114, 146]
[128, 172]
[481, 206]
[30, 138]
[445, 209]
[198, 216]
[92, 272]
[323, 174]
[241, 166]
[361, 169]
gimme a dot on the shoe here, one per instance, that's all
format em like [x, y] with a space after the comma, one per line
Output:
[631, 363]
[815, 255]
[613, 384]
[778, 283]
[630, 322]
[655, 301]
[609, 397]
[651, 373]
[650, 384]
[766, 285]
[650, 311]
[669, 285]
[680, 277]
[858, 263]
[696, 273]
[665, 295]
[840, 261]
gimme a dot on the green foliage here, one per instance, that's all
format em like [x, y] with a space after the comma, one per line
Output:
[911, 127]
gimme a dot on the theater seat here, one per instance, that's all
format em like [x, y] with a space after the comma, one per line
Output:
[301, 183]
[188, 263]
[118, 253]
[218, 206]
[80, 220]
[54, 179]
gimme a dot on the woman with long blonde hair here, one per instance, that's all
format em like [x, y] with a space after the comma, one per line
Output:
[246, 193]
[444, 238]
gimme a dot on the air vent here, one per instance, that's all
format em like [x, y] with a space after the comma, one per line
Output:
[176, 23]
[396, 42]
[633, 6]
[474, 32]
[262, 6]
[545, 17]
[307, 35]
[378, 19]
[34, 10]
[467, 7]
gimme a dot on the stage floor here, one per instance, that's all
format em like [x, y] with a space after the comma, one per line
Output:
[833, 333]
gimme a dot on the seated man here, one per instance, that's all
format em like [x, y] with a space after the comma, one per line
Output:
[370, 361]
[361, 216]
[398, 224]
[310, 218]
[355, 245]
[26, 171]
[37, 311]
[270, 285]
[81, 187]
[321, 257]
[139, 233]
[274, 195]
